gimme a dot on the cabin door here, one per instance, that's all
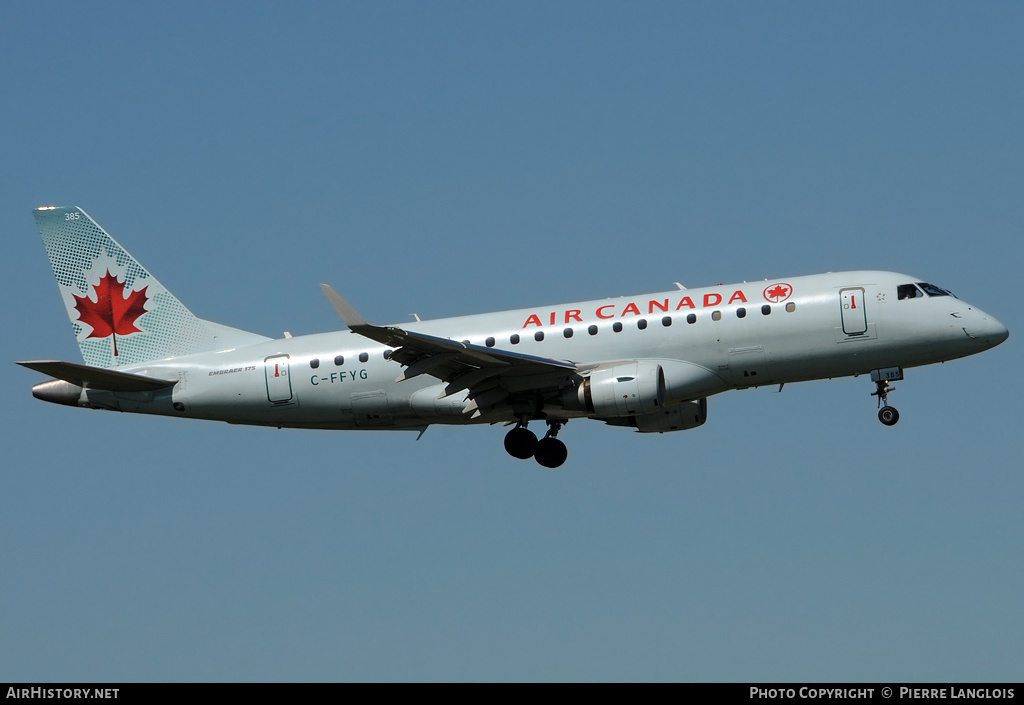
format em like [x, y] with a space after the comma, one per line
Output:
[855, 316]
[279, 383]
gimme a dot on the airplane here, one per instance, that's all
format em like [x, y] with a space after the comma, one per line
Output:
[645, 362]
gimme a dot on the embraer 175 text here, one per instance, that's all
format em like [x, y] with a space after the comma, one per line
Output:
[648, 362]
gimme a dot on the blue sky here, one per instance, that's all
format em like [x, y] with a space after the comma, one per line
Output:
[449, 158]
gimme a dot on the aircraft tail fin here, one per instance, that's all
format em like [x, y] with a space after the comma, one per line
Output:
[120, 313]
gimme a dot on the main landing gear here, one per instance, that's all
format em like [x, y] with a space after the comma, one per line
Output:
[522, 443]
[886, 414]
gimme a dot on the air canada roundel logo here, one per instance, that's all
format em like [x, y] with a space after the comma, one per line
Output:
[777, 293]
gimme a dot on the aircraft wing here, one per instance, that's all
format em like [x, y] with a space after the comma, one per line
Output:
[490, 376]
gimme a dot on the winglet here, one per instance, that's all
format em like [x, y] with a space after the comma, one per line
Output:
[348, 314]
[387, 335]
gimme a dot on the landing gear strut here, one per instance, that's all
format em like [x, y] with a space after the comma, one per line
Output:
[522, 443]
[551, 452]
[886, 414]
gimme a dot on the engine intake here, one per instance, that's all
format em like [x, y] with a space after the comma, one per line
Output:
[623, 390]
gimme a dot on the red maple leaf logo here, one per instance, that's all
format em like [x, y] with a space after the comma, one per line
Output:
[112, 313]
[778, 293]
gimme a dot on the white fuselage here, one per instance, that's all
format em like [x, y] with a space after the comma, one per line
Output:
[717, 338]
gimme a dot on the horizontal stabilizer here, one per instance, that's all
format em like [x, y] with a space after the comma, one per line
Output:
[96, 377]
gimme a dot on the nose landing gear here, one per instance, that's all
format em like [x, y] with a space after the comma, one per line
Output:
[522, 443]
[887, 414]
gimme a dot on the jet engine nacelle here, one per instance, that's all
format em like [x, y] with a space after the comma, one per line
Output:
[643, 387]
[680, 417]
[632, 388]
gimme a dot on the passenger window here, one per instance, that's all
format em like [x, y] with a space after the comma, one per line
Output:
[489, 342]
[592, 330]
[339, 360]
[908, 291]
[790, 307]
[538, 336]
[514, 339]
[617, 326]
[642, 324]
[363, 357]
[314, 363]
[765, 310]
[691, 318]
[716, 315]
[567, 332]
[741, 313]
[666, 321]
[387, 354]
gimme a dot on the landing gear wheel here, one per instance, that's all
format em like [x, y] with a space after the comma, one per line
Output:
[521, 443]
[888, 415]
[551, 452]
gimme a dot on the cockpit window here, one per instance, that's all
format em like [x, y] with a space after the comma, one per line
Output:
[933, 290]
[908, 291]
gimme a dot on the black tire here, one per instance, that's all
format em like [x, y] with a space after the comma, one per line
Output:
[551, 452]
[888, 415]
[521, 443]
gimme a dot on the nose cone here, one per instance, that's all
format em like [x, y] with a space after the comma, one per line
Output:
[997, 332]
